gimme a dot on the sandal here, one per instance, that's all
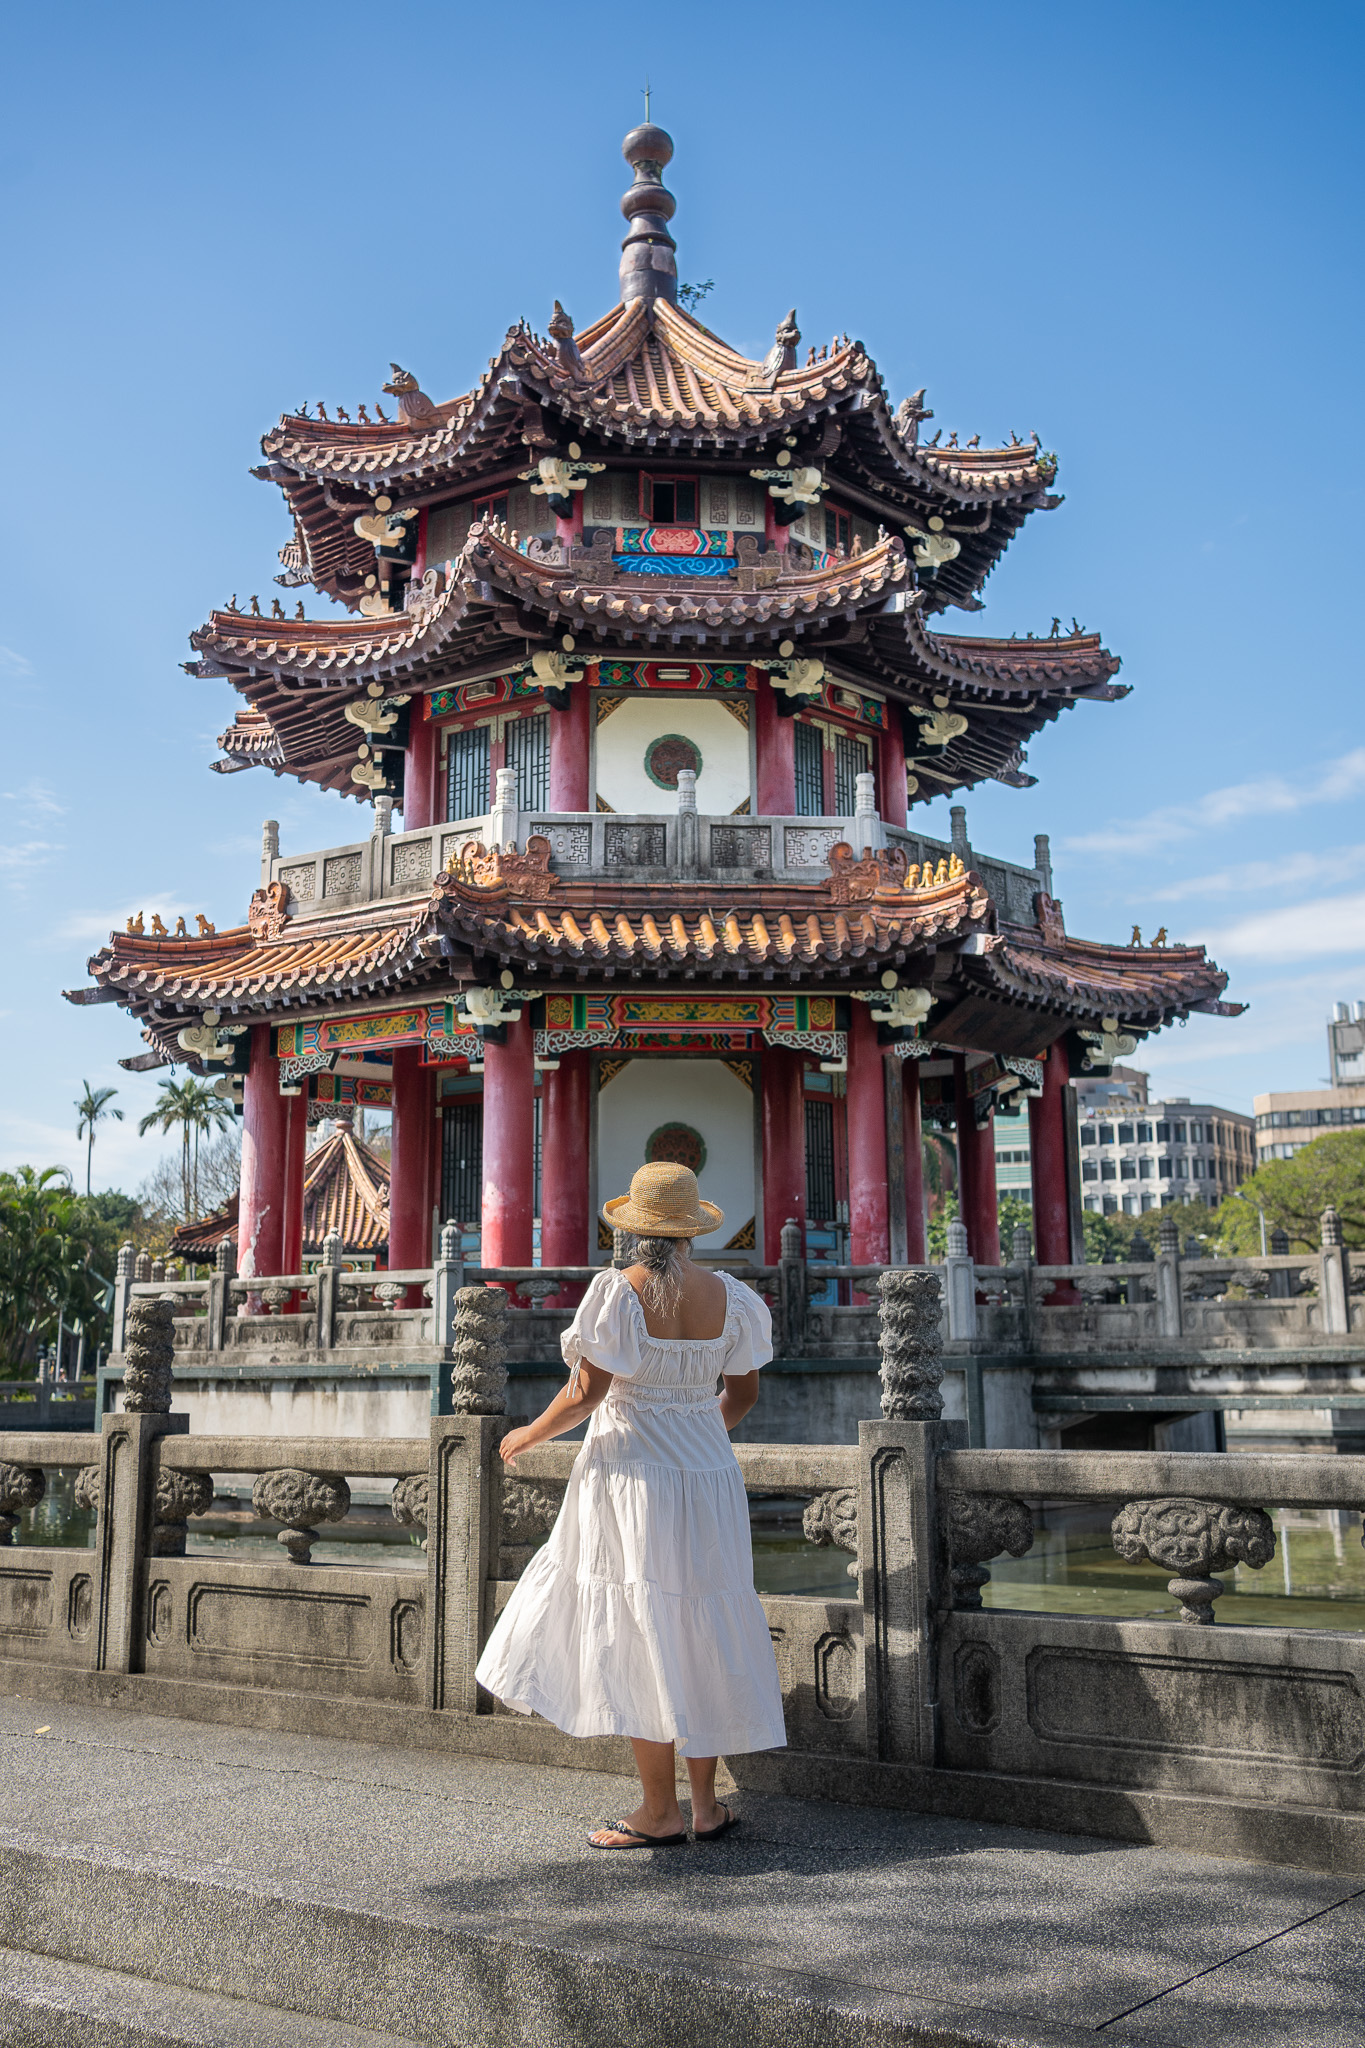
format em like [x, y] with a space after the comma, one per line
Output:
[639, 1840]
[731, 1820]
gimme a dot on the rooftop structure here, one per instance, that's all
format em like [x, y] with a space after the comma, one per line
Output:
[1288, 1120]
[651, 644]
[345, 1190]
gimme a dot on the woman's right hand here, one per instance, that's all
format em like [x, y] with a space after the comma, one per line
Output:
[514, 1443]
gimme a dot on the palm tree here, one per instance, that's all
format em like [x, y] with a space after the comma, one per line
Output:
[193, 1106]
[92, 1108]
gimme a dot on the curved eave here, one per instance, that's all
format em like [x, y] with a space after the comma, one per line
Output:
[1143, 987]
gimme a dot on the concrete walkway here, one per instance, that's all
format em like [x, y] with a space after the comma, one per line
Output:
[167, 1882]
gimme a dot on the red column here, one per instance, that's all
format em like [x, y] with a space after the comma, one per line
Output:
[420, 770]
[976, 1173]
[265, 1123]
[891, 766]
[775, 748]
[869, 1226]
[570, 735]
[1047, 1151]
[784, 1146]
[509, 1081]
[410, 1161]
[565, 1122]
[916, 1239]
[296, 1148]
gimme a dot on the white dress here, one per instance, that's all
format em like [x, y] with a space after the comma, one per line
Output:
[639, 1616]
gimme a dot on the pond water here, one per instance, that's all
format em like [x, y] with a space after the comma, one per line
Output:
[1316, 1579]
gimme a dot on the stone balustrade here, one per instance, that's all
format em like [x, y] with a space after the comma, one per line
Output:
[908, 1688]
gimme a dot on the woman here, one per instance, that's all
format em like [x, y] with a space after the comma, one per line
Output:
[639, 1616]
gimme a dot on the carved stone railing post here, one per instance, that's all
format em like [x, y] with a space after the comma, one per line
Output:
[902, 1559]
[328, 1276]
[478, 1375]
[408, 1503]
[142, 1269]
[462, 1539]
[446, 1283]
[126, 1498]
[1194, 1539]
[504, 821]
[1334, 1287]
[791, 1291]
[1169, 1307]
[123, 1294]
[220, 1293]
[178, 1496]
[960, 1276]
[832, 1518]
[1281, 1279]
[978, 1526]
[689, 851]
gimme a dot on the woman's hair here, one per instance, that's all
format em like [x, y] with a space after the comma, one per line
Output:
[663, 1259]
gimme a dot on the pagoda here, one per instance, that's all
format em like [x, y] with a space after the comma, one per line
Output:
[644, 669]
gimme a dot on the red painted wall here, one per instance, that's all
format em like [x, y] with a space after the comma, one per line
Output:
[869, 1225]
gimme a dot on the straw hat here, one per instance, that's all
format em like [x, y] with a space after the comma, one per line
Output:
[663, 1202]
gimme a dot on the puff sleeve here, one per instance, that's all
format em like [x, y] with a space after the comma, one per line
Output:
[751, 1341]
[603, 1329]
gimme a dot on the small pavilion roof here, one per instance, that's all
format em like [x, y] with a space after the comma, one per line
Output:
[345, 1188]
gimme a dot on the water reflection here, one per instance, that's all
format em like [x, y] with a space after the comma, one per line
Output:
[1316, 1580]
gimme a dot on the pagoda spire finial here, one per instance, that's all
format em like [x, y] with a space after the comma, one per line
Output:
[649, 268]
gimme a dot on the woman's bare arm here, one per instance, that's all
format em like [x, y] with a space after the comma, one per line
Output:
[740, 1394]
[565, 1412]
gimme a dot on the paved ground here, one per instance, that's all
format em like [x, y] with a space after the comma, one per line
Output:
[451, 1900]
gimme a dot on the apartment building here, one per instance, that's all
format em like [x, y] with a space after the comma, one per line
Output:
[1288, 1121]
[1137, 1154]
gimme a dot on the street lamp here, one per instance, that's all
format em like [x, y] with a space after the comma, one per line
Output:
[1237, 1196]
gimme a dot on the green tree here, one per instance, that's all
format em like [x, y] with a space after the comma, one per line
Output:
[1292, 1194]
[191, 1107]
[91, 1108]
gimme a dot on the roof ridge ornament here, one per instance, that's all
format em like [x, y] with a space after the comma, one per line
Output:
[649, 267]
[413, 403]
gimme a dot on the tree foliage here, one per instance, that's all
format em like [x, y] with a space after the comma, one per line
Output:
[1327, 1173]
[192, 1108]
[58, 1251]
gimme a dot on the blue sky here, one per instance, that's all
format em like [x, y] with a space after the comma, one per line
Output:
[1133, 227]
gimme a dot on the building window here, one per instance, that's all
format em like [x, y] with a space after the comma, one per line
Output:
[852, 758]
[1144, 1169]
[1180, 1134]
[1087, 1134]
[467, 773]
[1182, 1171]
[810, 788]
[838, 529]
[1127, 1169]
[1130, 1205]
[821, 1200]
[1197, 1168]
[462, 1163]
[1106, 1134]
[1163, 1134]
[1144, 1134]
[1167, 1169]
[1089, 1170]
[528, 751]
[668, 500]
[1125, 1134]
[1108, 1170]
[491, 508]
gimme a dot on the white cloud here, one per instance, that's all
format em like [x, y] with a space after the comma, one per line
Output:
[1269, 795]
[30, 853]
[1338, 865]
[96, 926]
[13, 663]
[1301, 931]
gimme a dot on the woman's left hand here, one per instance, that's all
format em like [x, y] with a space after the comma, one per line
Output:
[514, 1443]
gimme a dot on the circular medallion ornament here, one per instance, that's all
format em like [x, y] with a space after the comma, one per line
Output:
[664, 757]
[678, 1145]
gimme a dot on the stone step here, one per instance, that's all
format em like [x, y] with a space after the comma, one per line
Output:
[347, 1977]
[48, 2002]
